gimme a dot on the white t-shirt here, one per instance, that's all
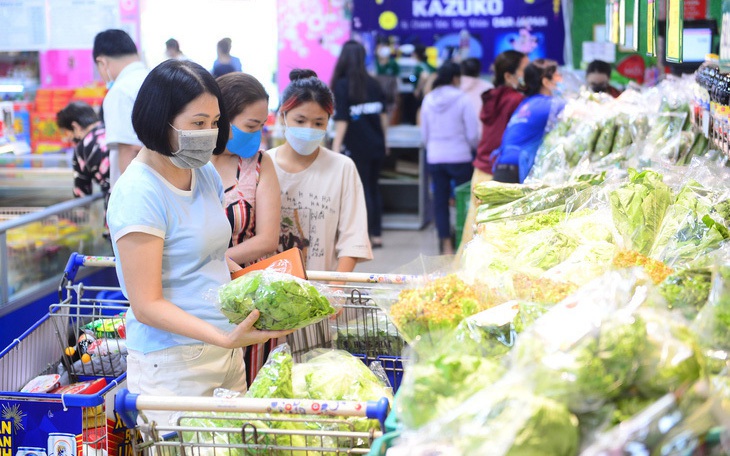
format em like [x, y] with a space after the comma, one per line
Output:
[323, 211]
[118, 104]
[196, 234]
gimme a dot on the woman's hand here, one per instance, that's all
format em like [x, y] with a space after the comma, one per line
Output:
[245, 334]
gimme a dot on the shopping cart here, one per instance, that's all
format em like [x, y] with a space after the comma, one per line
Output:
[224, 426]
[362, 328]
[77, 423]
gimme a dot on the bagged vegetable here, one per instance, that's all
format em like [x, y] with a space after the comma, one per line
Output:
[686, 291]
[438, 305]
[274, 379]
[638, 208]
[285, 302]
[505, 420]
[371, 334]
[493, 193]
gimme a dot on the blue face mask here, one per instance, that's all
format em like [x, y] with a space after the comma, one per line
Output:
[243, 143]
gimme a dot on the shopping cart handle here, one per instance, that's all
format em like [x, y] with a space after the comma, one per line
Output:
[76, 260]
[378, 411]
[125, 404]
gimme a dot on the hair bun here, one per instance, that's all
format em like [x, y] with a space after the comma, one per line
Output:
[297, 74]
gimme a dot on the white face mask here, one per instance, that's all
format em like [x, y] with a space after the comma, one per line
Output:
[195, 147]
[303, 140]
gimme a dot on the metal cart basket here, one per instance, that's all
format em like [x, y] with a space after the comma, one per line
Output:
[362, 328]
[80, 424]
[226, 426]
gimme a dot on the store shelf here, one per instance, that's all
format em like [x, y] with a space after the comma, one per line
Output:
[404, 181]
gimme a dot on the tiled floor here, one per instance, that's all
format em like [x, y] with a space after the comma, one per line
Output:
[401, 248]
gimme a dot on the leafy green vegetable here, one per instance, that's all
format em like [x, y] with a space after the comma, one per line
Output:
[274, 379]
[495, 193]
[284, 301]
[338, 376]
[638, 208]
[713, 320]
[605, 139]
[623, 133]
[687, 291]
[433, 387]
[547, 249]
[671, 359]
[582, 142]
[377, 336]
[510, 421]
[539, 200]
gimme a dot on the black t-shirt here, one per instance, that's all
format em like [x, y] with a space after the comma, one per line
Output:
[364, 137]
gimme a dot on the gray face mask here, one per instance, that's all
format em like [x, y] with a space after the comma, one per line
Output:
[195, 147]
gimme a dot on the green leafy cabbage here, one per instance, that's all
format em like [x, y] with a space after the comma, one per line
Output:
[285, 302]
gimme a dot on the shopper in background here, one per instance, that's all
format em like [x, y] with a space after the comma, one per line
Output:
[225, 63]
[536, 115]
[172, 50]
[360, 126]
[252, 199]
[472, 84]
[119, 65]
[322, 200]
[450, 132]
[598, 75]
[170, 238]
[419, 78]
[498, 105]
[91, 156]
[387, 74]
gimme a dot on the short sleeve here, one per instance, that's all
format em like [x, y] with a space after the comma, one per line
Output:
[118, 118]
[342, 107]
[135, 206]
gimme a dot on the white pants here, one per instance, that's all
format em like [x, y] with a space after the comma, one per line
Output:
[185, 370]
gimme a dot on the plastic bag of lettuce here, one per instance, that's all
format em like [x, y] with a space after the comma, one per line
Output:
[331, 375]
[284, 301]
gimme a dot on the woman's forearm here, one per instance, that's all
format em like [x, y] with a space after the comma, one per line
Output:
[254, 248]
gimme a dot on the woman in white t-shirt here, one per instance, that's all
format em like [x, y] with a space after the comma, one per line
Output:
[322, 201]
[170, 236]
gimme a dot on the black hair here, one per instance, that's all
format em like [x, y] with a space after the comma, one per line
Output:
[535, 72]
[224, 46]
[351, 66]
[420, 52]
[305, 86]
[506, 62]
[240, 90]
[172, 44]
[599, 66]
[76, 111]
[113, 43]
[446, 74]
[471, 67]
[165, 92]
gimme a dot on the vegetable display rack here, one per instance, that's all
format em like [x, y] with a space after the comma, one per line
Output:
[77, 342]
[223, 426]
[361, 328]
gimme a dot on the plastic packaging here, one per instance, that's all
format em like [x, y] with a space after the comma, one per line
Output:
[285, 302]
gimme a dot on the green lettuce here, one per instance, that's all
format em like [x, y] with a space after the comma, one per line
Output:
[285, 302]
[274, 379]
[493, 193]
[687, 291]
[638, 208]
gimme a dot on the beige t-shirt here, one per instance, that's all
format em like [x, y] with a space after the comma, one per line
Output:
[323, 211]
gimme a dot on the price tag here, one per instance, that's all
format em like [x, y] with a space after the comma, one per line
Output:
[675, 28]
[651, 18]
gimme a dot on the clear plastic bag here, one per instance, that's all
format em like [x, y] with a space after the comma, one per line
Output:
[274, 379]
[284, 301]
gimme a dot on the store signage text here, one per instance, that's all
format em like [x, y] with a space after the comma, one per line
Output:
[6, 438]
[457, 8]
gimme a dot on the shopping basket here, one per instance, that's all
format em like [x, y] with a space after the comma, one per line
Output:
[77, 424]
[212, 426]
[362, 328]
